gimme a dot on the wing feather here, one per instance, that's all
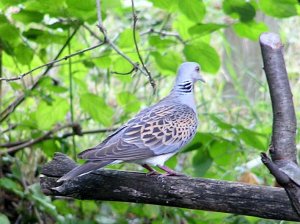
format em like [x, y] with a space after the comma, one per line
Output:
[158, 130]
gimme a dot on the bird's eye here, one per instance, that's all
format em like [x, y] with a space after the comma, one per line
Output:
[197, 69]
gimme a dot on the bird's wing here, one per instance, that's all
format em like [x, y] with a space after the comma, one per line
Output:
[162, 129]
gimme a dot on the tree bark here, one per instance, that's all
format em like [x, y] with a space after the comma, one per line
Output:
[283, 165]
[184, 192]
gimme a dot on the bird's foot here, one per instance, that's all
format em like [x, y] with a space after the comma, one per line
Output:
[169, 172]
[152, 173]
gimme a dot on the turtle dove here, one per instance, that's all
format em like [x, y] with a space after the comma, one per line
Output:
[154, 134]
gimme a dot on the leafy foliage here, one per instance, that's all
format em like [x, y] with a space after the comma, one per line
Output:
[95, 90]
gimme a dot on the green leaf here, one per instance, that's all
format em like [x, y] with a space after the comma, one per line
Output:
[27, 16]
[48, 115]
[205, 55]
[201, 162]
[55, 8]
[96, 108]
[129, 101]
[182, 24]
[43, 37]
[253, 139]
[251, 30]
[279, 8]
[160, 42]
[11, 186]
[4, 219]
[24, 54]
[221, 124]
[84, 10]
[103, 61]
[204, 29]
[192, 9]
[9, 32]
[221, 152]
[168, 5]
[121, 65]
[126, 39]
[168, 62]
[151, 211]
[241, 9]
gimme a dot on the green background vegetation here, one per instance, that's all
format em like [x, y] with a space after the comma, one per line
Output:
[234, 107]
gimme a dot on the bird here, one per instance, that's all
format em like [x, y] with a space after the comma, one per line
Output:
[154, 135]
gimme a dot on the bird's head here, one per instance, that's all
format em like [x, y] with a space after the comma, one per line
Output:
[189, 72]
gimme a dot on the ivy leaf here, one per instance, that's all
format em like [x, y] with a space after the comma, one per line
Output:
[84, 10]
[221, 152]
[96, 108]
[12, 186]
[4, 219]
[168, 5]
[205, 55]
[192, 9]
[128, 101]
[201, 162]
[9, 32]
[279, 8]
[167, 62]
[48, 115]
[24, 54]
[160, 42]
[126, 39]
[203, 29]
[241, 9]
[27, 16]
[250, 30]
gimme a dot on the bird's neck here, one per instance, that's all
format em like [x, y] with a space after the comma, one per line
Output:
[184, 92]
[184, 88]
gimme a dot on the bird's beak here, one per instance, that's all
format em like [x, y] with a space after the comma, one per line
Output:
[200, 78]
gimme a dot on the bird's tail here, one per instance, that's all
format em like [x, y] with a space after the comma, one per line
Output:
[84, 169]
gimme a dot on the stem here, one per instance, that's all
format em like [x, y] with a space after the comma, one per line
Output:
[137, 48]
[10, 109]
[71, 99]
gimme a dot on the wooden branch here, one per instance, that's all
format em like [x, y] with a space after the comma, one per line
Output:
[283, 165]
[184, 192]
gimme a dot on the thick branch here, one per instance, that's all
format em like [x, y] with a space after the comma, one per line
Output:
[284, 119]
[185, 192]
[283, 147]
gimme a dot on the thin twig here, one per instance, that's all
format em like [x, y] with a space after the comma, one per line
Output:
[11, 107]
[151, 80]
[34, 141]
[16, 146]
[71, 99]
[164, 34]
[92, 32]
[125, 73]
[113, 46]
[51, 63]
[0, 78]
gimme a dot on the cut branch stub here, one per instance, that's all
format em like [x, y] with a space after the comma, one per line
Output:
[284, 119]
[283, 165]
